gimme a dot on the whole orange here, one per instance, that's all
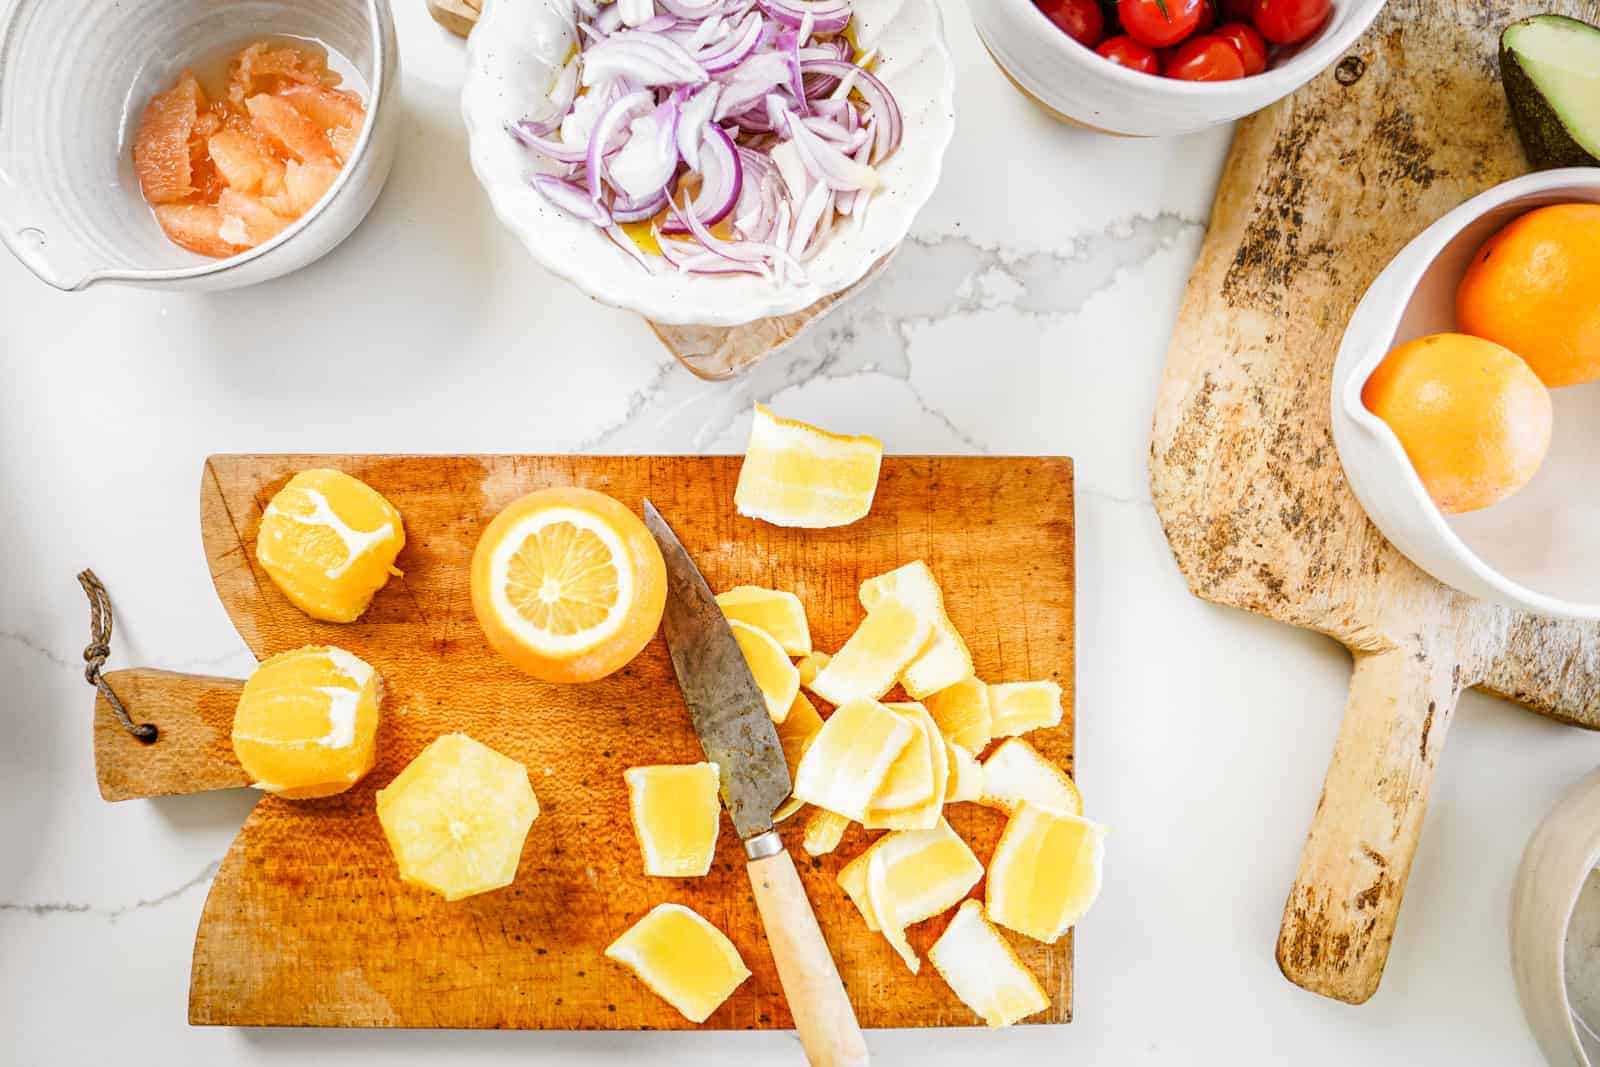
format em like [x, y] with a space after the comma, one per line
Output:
[1473, 419]
[1534, 287]
[568, 584]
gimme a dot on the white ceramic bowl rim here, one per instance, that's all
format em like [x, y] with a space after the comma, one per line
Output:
[496, 87]
[1276, 81]
[1408, 268]
[10, 234]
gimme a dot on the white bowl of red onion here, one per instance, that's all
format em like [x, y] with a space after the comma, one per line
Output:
[709, 162]
[1183, 89]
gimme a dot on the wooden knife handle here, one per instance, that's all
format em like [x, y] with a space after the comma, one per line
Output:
[822, 1013]
[193, 749]
[1340, 916]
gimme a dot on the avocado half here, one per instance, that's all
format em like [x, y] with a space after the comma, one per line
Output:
[1550, 65]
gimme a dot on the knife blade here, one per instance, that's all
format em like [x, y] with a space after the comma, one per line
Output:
[725, 703]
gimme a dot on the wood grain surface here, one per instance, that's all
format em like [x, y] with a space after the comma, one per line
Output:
[193, 752]
[1318, 193]
[307, 922]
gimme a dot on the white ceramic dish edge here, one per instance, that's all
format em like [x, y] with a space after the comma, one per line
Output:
[508, 78]
[1554, 867]
[1088, 89]
[1374, 461]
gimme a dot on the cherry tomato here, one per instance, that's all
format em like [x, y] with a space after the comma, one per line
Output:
[1148, 23]
[1208, 17]
[1248, 43]
[1206, 58]
[1124, 51]
[1289, 21]
[1079, 19]
[1236, 10]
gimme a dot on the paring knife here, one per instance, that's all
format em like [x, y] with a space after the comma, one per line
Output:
[730, 717]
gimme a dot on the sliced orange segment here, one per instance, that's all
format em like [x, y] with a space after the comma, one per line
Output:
[912, 793]
[945, 660]
[456, 818]
[982, 969]
[811, 666]
[962, 712]
[1045, 873]
[329, 541]
[773, 611]
[1016, 772]
[966, 775]
[850, 756]
[307, 722]
[1017, 707]
[676, 815]
[682, 958]
[871, 660]
[798, 475]
[824, 831]
[774, 674]
[568, 584]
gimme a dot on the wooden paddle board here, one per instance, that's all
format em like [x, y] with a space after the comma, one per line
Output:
[307, 922]
[1319, 193]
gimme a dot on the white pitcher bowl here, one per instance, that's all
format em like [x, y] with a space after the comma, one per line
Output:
[1535, 550]
[74, 79]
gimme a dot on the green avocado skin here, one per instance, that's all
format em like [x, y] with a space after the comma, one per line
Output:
[1545, 138]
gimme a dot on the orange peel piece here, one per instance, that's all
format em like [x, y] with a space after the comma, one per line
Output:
[774, 611]
[867, 666]
[907, 877]
[1045, 872]
[945, 660]
[1015, 772]
[682, 958]
[1018, 707]
[912, 793]
[795, 734]
[966, 776]
[811, 666]
[962, 712]
[676, 814]
[769, 663]
[795, 474]
[850, 756]
[824, 830]
[983, 970]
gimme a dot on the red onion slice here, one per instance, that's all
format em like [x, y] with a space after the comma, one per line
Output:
[734, 49]
[556, 150]
[636, 12]
[607, 126]
[609, 20]
[625, 210]
[696, 113]
[562, 95]
[571, 198]
[879, 100]
[721, 179]
[826, 162]
[693, 9]
[649, 59]
[828, 16]
[649, 156]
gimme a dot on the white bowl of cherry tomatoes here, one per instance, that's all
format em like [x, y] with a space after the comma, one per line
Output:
[1153, 68]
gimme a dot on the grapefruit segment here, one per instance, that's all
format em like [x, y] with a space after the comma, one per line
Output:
[161, 148]
[289, 129]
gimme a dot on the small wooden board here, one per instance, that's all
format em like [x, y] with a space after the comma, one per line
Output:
[307, 922]
[1318, 194]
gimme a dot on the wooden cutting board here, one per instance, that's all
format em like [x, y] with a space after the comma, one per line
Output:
[1319, 192]
[307, 922]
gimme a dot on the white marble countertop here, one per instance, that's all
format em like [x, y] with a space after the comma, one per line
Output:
[1030, 314]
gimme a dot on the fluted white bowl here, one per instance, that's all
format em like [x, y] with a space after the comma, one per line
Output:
[74, 78]
[1535, 550]
[513, 57]
[1089, 89]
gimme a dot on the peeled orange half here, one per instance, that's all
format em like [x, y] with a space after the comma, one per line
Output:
[682, 958]
[798, 475]
[568, 584]
[457, 816]
[307, 722]
[329, 541]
